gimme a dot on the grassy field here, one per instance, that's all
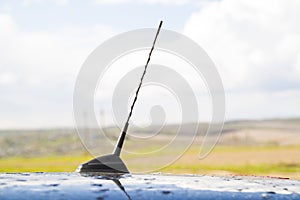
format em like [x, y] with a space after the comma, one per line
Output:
[263, 161]
[267, 148]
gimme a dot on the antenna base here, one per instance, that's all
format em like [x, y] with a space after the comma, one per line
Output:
[105, 164]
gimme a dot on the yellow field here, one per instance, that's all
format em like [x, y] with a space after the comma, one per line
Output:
[266, 148]
[271, 161]
[267, 161]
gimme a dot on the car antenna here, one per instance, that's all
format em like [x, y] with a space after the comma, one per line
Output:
[112, 163]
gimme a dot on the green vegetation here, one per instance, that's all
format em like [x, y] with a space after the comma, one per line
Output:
[266, 148]
[218, 162]
[286, 169]
[42, 164]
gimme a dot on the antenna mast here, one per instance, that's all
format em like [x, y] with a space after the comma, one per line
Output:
[121, 139]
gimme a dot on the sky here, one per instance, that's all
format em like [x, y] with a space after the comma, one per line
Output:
[43, 43]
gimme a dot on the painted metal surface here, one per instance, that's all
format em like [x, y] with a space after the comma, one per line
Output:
[144, 186]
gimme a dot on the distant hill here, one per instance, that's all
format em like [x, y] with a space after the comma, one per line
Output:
[57, 141]
[291, 124]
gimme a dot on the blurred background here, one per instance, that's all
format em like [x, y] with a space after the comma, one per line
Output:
[254, 45]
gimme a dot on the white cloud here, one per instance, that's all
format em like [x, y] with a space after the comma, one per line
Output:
[262, 105]
[7, 25]
[148, 2]
[38, 71]
[255, 44]
[297, 66]
[7, 78]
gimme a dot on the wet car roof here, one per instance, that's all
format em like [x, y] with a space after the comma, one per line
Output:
[144, 186]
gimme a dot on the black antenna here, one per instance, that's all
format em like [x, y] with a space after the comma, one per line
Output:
[121, 139]
[112, 163]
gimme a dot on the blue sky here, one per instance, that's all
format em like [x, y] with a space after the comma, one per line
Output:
[48, 15]
[254, 44]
